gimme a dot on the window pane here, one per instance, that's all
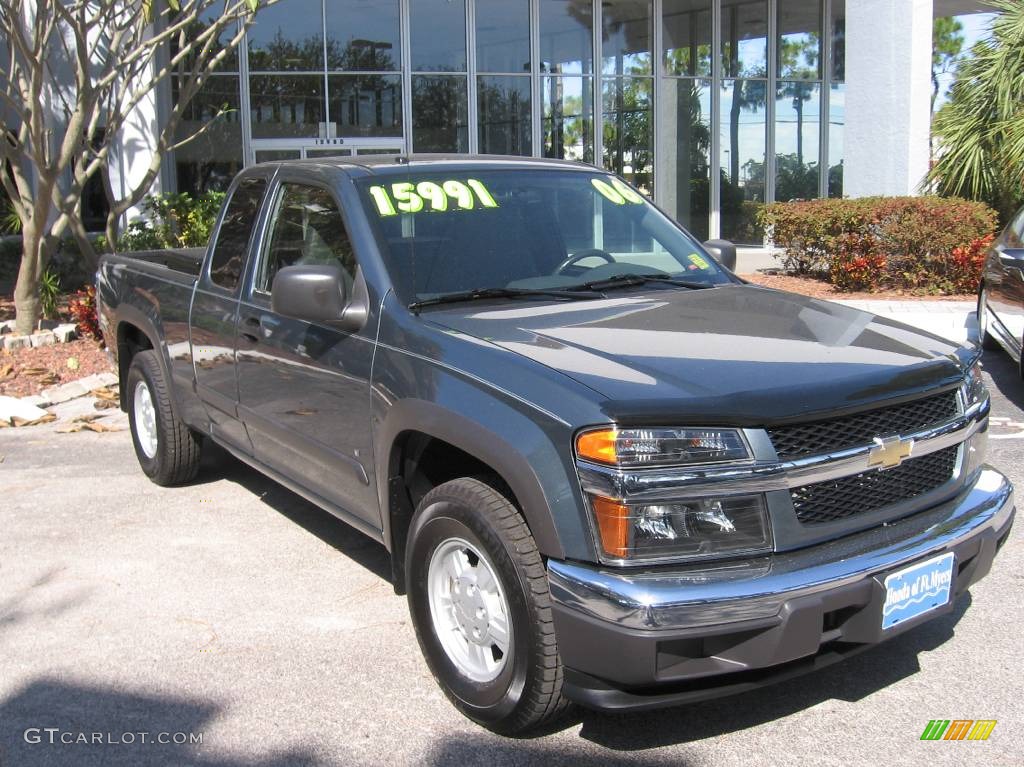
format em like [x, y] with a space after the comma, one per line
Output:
[628, 131]
[440, 121]
[797, 126]
[366, 105]
[838, 31]
[210, 161]
[233, 237]
[743, 154]
[836, 123]
[566, 37]
[286, 106]
[799, 31]
[686, 35]
[504, 104]
[287, 36]
[503, 35]
[568, 127]
[275, 155]
[744, 38]
[306, 228]
[626, 47]
[438, 35]
[686, 112]
[206, 18]
[363, 35]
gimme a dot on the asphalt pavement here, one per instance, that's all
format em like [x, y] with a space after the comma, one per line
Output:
[233, 612]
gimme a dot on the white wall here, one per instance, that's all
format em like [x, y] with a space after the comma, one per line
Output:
[888, 90]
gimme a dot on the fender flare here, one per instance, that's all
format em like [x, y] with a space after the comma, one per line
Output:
[132, 316]
[476, 440]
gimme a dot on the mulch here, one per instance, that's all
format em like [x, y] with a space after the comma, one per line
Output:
[808, 286]
[24, 372]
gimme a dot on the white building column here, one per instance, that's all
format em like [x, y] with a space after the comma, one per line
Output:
[888, 89]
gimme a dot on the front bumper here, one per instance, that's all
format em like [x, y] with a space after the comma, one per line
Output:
[636, 640]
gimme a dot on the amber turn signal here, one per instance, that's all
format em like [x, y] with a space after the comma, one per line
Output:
[612, 525]
[598, 446]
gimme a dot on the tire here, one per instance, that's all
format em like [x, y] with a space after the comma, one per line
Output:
[987, 340]
[168, 451]
[460, 520]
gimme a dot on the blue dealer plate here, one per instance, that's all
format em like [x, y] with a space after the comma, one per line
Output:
[917, 589]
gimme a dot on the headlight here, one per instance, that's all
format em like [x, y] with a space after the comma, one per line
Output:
[695, 528]
[661, 446]
[974, 386]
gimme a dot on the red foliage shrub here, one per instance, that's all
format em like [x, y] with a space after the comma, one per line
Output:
[83, 311]
[921, 244]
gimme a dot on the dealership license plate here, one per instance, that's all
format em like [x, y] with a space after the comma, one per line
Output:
[917, 589]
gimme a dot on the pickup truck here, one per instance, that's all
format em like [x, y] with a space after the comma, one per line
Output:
[607, 470]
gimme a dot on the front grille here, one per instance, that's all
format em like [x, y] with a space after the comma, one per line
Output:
[834, 434]
[848, 496]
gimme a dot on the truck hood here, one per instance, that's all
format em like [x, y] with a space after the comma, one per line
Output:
[741, 355]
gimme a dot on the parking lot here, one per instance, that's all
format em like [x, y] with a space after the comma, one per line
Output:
[234, 612]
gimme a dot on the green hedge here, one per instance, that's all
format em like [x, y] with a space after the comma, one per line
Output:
[922, 244]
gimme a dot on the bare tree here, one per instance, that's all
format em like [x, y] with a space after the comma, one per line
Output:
[74, 76]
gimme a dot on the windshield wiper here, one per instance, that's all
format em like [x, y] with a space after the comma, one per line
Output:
[482, 293]
[630, 280]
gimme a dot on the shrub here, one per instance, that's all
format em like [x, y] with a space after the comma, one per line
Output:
[83, 311]
[921, 244]
[49, 293]
[173, 221]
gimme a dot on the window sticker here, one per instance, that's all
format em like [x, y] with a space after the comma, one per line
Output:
[699, 261]
[617, 192]
[431, 196]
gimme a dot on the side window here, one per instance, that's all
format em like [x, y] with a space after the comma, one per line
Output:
[305, 228]
[228, 259]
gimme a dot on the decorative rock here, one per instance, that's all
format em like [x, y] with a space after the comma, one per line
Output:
[47, 324]
[66, 332]
[12, 407]
[16, 342]
[43, 338]
[65, 392]
[7, 326]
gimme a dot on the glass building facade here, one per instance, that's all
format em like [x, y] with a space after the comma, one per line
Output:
[712, 107]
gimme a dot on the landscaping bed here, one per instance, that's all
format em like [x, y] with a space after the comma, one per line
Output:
[820, 288]
[24, 372]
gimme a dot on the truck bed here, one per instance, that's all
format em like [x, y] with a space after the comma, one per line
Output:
[186, 260]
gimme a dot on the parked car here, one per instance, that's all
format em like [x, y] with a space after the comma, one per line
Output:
[1001, 296]
[606, 469]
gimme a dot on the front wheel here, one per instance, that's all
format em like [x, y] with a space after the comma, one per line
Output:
[478, 595]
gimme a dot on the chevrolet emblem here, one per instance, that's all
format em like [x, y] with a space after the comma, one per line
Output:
[890, 452]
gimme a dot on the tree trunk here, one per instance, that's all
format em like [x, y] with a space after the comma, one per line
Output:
[26, 291]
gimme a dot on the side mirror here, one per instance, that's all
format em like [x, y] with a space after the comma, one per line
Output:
[317, 294]
[723, 251]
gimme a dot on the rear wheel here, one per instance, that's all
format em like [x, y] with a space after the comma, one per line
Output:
[478, 595]
[985, 337]
[168, 451]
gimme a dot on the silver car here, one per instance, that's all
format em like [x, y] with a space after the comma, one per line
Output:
[1001, 296]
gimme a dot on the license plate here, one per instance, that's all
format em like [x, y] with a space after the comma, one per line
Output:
[917, 589]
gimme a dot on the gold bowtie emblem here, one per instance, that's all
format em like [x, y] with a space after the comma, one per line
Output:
[890, 452]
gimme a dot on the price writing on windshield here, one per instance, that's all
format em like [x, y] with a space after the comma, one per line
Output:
[431, 196]
[617, 192]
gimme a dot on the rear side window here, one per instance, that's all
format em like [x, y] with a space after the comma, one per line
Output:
[228, 259]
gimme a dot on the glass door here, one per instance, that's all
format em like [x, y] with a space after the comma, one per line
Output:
[273, 150]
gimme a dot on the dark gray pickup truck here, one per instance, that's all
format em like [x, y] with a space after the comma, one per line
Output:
[606, 469]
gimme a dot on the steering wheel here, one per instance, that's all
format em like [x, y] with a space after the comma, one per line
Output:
[575, 258]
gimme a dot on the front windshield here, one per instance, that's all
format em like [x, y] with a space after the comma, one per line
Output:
[449, 232]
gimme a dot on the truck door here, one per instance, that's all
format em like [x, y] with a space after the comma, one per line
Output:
[304, 389]
[1006, 277]
[214, 314]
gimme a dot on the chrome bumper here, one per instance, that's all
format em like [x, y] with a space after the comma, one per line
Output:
[728, 593]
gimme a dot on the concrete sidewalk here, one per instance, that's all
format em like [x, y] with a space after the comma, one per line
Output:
[955, 320]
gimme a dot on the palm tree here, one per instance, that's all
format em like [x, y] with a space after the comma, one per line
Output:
[980, 131]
